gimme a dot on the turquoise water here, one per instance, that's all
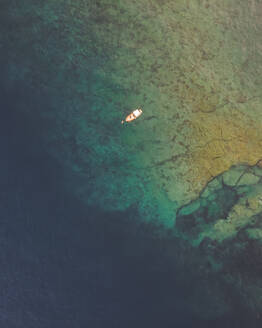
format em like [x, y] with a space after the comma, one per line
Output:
[136, 225]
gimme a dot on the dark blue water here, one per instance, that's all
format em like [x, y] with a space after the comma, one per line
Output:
[66, 265]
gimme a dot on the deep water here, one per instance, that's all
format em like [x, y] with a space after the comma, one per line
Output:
[66, 265]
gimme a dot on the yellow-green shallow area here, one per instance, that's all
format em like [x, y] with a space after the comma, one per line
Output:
[191, 162]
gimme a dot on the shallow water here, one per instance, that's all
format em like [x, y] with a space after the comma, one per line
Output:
[88, 206]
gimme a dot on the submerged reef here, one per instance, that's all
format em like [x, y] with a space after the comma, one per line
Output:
[192, 66]
[225, 225]
[228, 203]
[76, 68]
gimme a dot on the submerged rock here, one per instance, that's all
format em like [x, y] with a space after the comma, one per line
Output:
[222, 211]
[232, 176]
[248, 179]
